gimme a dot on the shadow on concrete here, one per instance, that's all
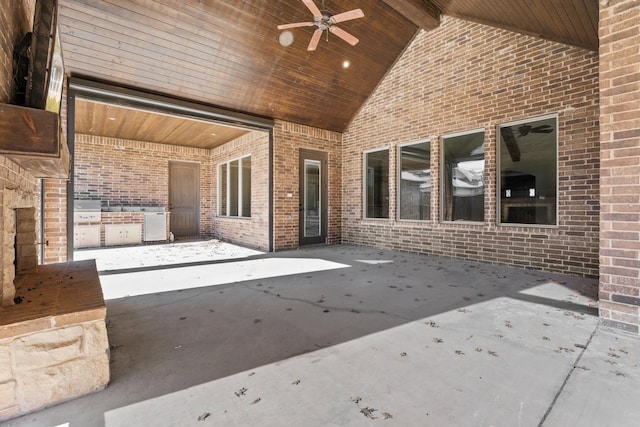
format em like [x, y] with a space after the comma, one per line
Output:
[170, 341]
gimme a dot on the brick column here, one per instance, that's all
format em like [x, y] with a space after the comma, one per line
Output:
[55, 221]
[620, 163]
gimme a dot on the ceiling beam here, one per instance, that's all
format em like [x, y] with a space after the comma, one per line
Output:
[423, 13]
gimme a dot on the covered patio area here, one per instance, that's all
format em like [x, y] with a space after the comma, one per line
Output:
[350, 335]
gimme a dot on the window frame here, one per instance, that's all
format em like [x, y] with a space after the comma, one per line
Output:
[441, 179]
[239, 193]
[365, 153]
[499, 171]
[399, 179]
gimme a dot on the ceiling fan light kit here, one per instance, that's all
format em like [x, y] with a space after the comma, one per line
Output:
[286, 38]
[324, 21]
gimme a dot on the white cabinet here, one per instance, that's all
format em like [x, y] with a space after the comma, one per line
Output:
[155, 226]
[122, 234]
[86, 236]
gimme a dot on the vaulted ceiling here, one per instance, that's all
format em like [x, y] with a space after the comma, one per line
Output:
[226, 53]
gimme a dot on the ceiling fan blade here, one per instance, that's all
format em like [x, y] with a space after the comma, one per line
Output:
[542, 129]
[347, 16]
[315, 39]
[352, 40]
[295, 25]
[510, 141]
[313, 8]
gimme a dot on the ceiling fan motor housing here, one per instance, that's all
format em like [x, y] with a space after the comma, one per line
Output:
[323, 22]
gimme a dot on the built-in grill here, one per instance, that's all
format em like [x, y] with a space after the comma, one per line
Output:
[86, 211]
[117, 225]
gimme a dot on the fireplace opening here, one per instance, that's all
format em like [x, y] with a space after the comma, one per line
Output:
[19, 248]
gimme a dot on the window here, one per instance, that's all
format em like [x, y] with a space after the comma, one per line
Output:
[527, 155]
[463, 176]
[223, 178]
[235, 188]
[414, 193]
[246, 187]
[377, 184]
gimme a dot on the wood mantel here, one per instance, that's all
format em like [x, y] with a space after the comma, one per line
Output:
[31, 138]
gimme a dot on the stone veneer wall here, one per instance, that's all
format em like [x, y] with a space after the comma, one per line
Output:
[620, 167]
[53, 346]
[38, 369]
[254, 231]
[288, 139]
[463, 76]
[48, 353]
[17, 207]
[18, 188]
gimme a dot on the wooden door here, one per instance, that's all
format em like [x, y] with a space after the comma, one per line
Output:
[184, 199]
[313, 197]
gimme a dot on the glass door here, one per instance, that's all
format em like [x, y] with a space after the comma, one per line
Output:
[313, 197]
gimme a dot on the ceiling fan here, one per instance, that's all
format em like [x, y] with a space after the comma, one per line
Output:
[325, 20]
[524, 130]
[510, 138]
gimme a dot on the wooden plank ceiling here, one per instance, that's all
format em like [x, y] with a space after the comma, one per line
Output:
[226, 52]
[117, 121]
[572, 22]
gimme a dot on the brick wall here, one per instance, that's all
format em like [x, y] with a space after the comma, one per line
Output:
[55, 203]
[105, 169]
[254, 231]
[136, 173]
[16, 21]
[55, 221]
[620, 163]
[288, 139]
[463, 76]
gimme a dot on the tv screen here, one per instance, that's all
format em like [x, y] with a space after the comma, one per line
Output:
[46, 68]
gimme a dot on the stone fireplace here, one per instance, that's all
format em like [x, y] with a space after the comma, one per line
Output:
[19, 239]
[53, 336]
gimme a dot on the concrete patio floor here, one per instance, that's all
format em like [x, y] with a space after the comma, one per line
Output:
[355, 336]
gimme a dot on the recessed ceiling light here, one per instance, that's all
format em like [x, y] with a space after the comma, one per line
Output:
[214, 134]
[112, 118]
[346, 63]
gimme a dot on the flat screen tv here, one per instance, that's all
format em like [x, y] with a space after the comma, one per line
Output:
[46, 68]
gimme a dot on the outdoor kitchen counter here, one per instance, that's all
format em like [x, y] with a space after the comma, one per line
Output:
[133, 209]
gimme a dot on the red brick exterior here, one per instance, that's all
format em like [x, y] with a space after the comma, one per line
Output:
[136, 173]
[55, 221]
[55, 205]
[16, 20]
[620, 169]
[105, 169]
[463, 76]
[458, 77]
[289, 138]
[254, 231]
